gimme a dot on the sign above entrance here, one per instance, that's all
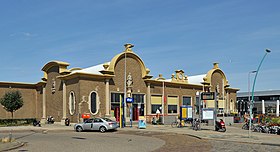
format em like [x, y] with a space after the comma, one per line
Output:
[129, 100]
[207, 95]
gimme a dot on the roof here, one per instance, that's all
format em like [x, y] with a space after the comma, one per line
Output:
[260, 93]
[91, 70]
[196, 79]
[52, 63]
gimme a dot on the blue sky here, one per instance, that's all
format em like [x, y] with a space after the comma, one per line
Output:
[168, 35]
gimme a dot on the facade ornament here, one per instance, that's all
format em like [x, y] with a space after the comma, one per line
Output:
[129, 81]
[217, 90]
[186, 78]
[216, 65]
[205, 79]
[128, 47]
[173, 77]
[106, 65]
[148, 71]
[160, 77]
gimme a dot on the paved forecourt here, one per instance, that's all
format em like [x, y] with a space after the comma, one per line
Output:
[234, 133]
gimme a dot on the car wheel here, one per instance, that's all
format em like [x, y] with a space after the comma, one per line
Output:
[102, 129]
[79, 129]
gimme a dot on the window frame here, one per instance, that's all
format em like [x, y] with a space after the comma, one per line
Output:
[97, 103]
[187, 97]
[171, 105]
[70, 103]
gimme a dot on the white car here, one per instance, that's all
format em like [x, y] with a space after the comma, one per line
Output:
[101, 124]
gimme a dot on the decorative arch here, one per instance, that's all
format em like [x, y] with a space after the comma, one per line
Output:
[208, 77]
[120, 56]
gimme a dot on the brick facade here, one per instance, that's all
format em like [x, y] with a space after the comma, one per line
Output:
[82, 84]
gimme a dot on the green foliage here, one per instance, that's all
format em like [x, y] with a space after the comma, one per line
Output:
[16, 122]
[12, 101]
[275, 121]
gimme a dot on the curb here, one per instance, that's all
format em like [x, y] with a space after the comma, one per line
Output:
[12, 147]
[270, 144]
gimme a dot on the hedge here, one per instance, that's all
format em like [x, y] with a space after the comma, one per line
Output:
[16, 122]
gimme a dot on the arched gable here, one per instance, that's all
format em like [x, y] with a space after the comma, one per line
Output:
[208, 77]
[128, 53]
[62, 67]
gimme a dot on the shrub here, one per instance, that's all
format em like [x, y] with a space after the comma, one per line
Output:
[16, 122]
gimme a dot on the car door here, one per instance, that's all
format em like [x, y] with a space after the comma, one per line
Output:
[97, 122]
[88, 124]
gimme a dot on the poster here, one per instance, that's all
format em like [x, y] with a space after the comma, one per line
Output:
[189, 112]
[185, 112]
[207, 114]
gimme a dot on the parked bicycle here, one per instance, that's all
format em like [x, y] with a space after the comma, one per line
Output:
[176, 124]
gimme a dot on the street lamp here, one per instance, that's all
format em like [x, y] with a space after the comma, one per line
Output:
[252, 100]
[124, 95]
[249, 95]
[249, 82]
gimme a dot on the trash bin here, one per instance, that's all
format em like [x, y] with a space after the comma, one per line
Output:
[141, 123]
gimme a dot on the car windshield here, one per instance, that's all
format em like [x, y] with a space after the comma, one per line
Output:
[107, 119]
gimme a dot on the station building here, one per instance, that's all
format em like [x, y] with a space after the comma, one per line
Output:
[267, 99]
[97, 91]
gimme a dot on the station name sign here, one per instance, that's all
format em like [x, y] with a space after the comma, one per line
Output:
[207, 95]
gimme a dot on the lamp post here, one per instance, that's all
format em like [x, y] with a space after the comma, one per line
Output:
[249, 101]
[252, 100]
[124, 96]
[162, 109]
[249, 82]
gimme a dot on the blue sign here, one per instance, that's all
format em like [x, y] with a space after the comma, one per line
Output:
[129, 100]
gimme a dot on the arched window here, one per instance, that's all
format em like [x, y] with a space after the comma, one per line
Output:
[94, 103]
[72, 102]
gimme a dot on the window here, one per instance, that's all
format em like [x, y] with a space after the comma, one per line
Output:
[138, 101]
[88, 121]
[138, 98]
[116, 97]
[97, 120]
[187, 101]
[115, 100]
[156, 103]
[172, 108]
[172, 104]
[93, 103]
[197, 105]
[72, 102]
[155, 108]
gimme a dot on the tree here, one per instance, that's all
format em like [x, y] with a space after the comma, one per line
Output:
[12, 101]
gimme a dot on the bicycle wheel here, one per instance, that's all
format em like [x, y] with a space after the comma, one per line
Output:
[245, 126]
[174, 124]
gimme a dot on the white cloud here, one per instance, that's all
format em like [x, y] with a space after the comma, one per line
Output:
[23, 34]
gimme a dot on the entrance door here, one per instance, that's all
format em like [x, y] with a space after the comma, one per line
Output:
[138, 105]
[115, 104]
[138, 110]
